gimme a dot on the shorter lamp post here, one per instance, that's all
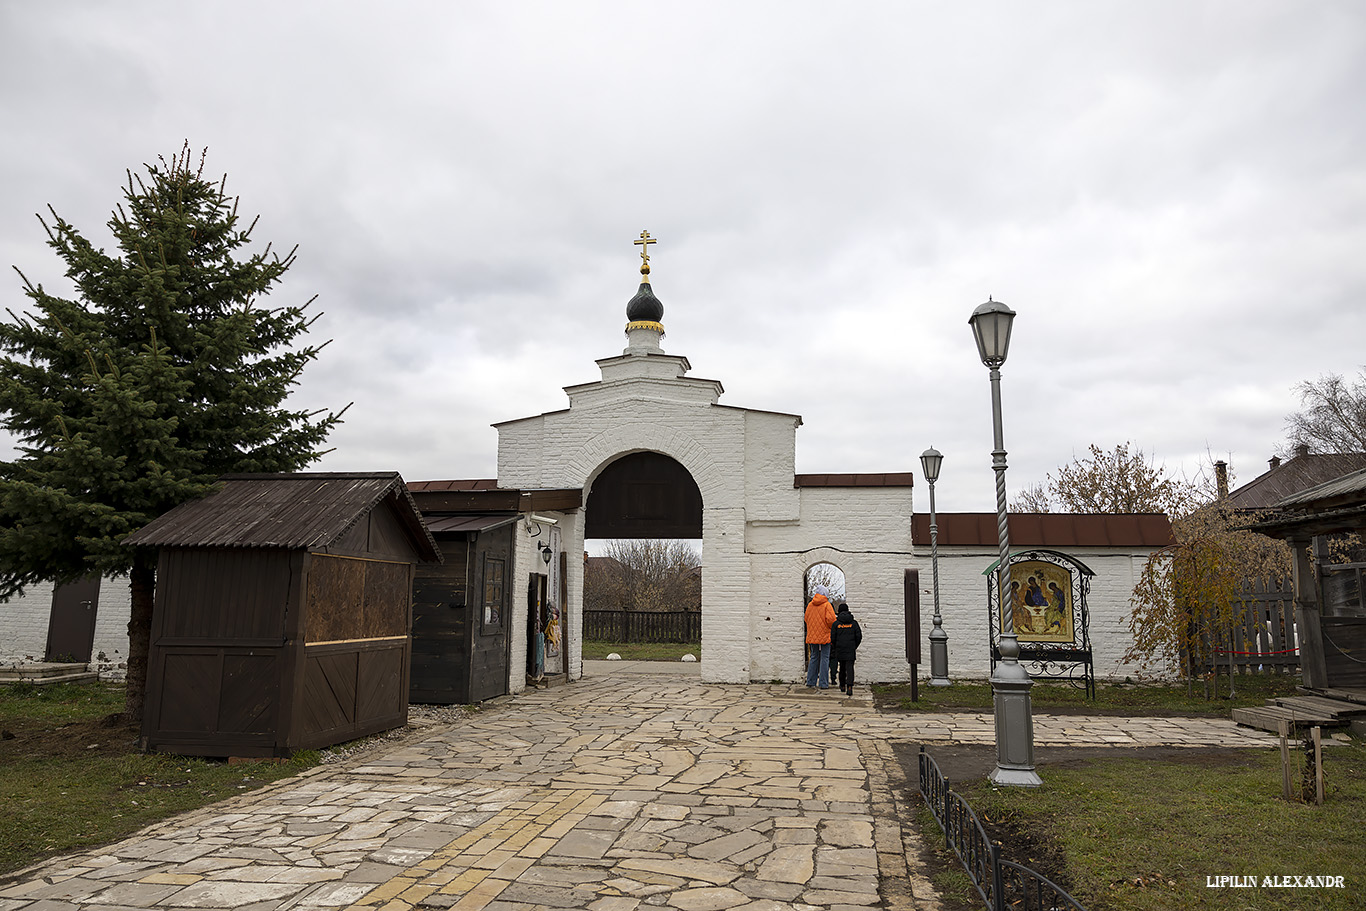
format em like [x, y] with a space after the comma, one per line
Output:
[930, 460]
[1010, 683]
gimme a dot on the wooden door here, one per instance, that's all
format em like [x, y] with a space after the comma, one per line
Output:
[441, 628]
[488, 661]
[71, 625]
[536, 620]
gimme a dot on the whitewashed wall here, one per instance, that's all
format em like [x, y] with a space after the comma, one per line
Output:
[743, 462]
[864, 531]
[23, 627]
[963, 604]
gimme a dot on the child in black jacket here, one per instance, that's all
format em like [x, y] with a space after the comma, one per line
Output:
[845, 636]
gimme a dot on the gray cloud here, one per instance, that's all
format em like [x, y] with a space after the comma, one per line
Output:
[1170, 194]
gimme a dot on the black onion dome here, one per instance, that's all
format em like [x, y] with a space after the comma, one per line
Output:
[644, 307]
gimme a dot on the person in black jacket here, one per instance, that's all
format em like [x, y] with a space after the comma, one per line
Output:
[845, 636]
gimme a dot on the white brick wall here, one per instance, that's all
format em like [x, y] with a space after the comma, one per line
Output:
[866, 532]
[963, 605]
[24, 620]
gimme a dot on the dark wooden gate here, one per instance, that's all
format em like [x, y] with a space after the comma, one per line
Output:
[490, 642]
[71, 626]
[1256, 637]
[644, 495]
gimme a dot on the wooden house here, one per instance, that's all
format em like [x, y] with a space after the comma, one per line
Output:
[283, 613]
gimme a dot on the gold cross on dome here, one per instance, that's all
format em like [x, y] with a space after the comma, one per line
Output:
[644, 244]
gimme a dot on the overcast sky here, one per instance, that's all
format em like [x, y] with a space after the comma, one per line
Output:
[1172, 195]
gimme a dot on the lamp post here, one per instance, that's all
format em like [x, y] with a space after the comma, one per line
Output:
[930, 461]
[1010, 683]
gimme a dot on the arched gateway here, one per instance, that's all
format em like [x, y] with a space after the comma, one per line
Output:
[655, 454]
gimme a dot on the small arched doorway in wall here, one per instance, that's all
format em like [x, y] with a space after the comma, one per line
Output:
[642, 517]
[830, 578]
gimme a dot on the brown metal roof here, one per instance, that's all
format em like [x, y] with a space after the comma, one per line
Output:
[468, 522]
[889, 479]
[484, 495]
[289, 511]
[477, 484]
[1293, 476]
[978, 529]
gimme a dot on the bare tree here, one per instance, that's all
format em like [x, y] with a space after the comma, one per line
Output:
[1033, 498]
[1122, 480]
[645, 575]
[1189, 595]
[1332, 417]
[828, 575]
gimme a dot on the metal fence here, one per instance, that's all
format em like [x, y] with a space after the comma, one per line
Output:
[642, 626]
[1002, 884]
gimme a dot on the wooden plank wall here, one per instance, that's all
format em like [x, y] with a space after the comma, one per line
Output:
[1263, 640]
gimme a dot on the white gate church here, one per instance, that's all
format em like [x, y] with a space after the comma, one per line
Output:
[762, 525]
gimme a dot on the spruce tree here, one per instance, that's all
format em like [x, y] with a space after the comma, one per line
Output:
[163, 370]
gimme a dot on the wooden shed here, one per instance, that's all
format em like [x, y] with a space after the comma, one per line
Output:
[463, 608]
[283, 613]
[461, 611]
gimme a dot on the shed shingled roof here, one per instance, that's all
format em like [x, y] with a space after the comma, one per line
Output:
[978, 529]
[469, 484]
[288, 511]
[1350, 486]
[1290, 477]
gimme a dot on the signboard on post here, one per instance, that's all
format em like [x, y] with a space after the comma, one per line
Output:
[912, 625]
[1048, 613]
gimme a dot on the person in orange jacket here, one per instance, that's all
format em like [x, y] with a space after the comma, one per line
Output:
[819, 617]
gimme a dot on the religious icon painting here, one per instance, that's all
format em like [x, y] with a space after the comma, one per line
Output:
[1041, 598]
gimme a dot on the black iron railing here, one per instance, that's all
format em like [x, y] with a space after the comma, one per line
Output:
[1003, 885]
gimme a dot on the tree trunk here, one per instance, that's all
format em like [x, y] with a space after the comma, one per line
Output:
[142, 583]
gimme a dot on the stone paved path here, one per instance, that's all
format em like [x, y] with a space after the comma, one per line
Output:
[612, 794]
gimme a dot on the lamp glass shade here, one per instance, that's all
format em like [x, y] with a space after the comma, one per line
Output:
[991, 324]
[930, 460]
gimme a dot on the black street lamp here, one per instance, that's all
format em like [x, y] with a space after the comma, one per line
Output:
[1010, 683]
[930, 461]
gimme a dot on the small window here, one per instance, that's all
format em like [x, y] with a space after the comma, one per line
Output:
[492, 620]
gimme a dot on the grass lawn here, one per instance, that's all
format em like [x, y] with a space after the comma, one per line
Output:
[642, 651]
[70, 779]
[1143, 835]
[1129, 698]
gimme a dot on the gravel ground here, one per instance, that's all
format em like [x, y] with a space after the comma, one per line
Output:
[419, 718]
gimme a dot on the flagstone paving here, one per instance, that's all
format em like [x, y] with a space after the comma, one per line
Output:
[611, 794]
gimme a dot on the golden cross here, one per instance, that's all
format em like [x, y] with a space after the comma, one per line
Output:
[644, 244]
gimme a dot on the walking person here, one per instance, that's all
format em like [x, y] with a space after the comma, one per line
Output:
[845, 636]
[819, 616]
